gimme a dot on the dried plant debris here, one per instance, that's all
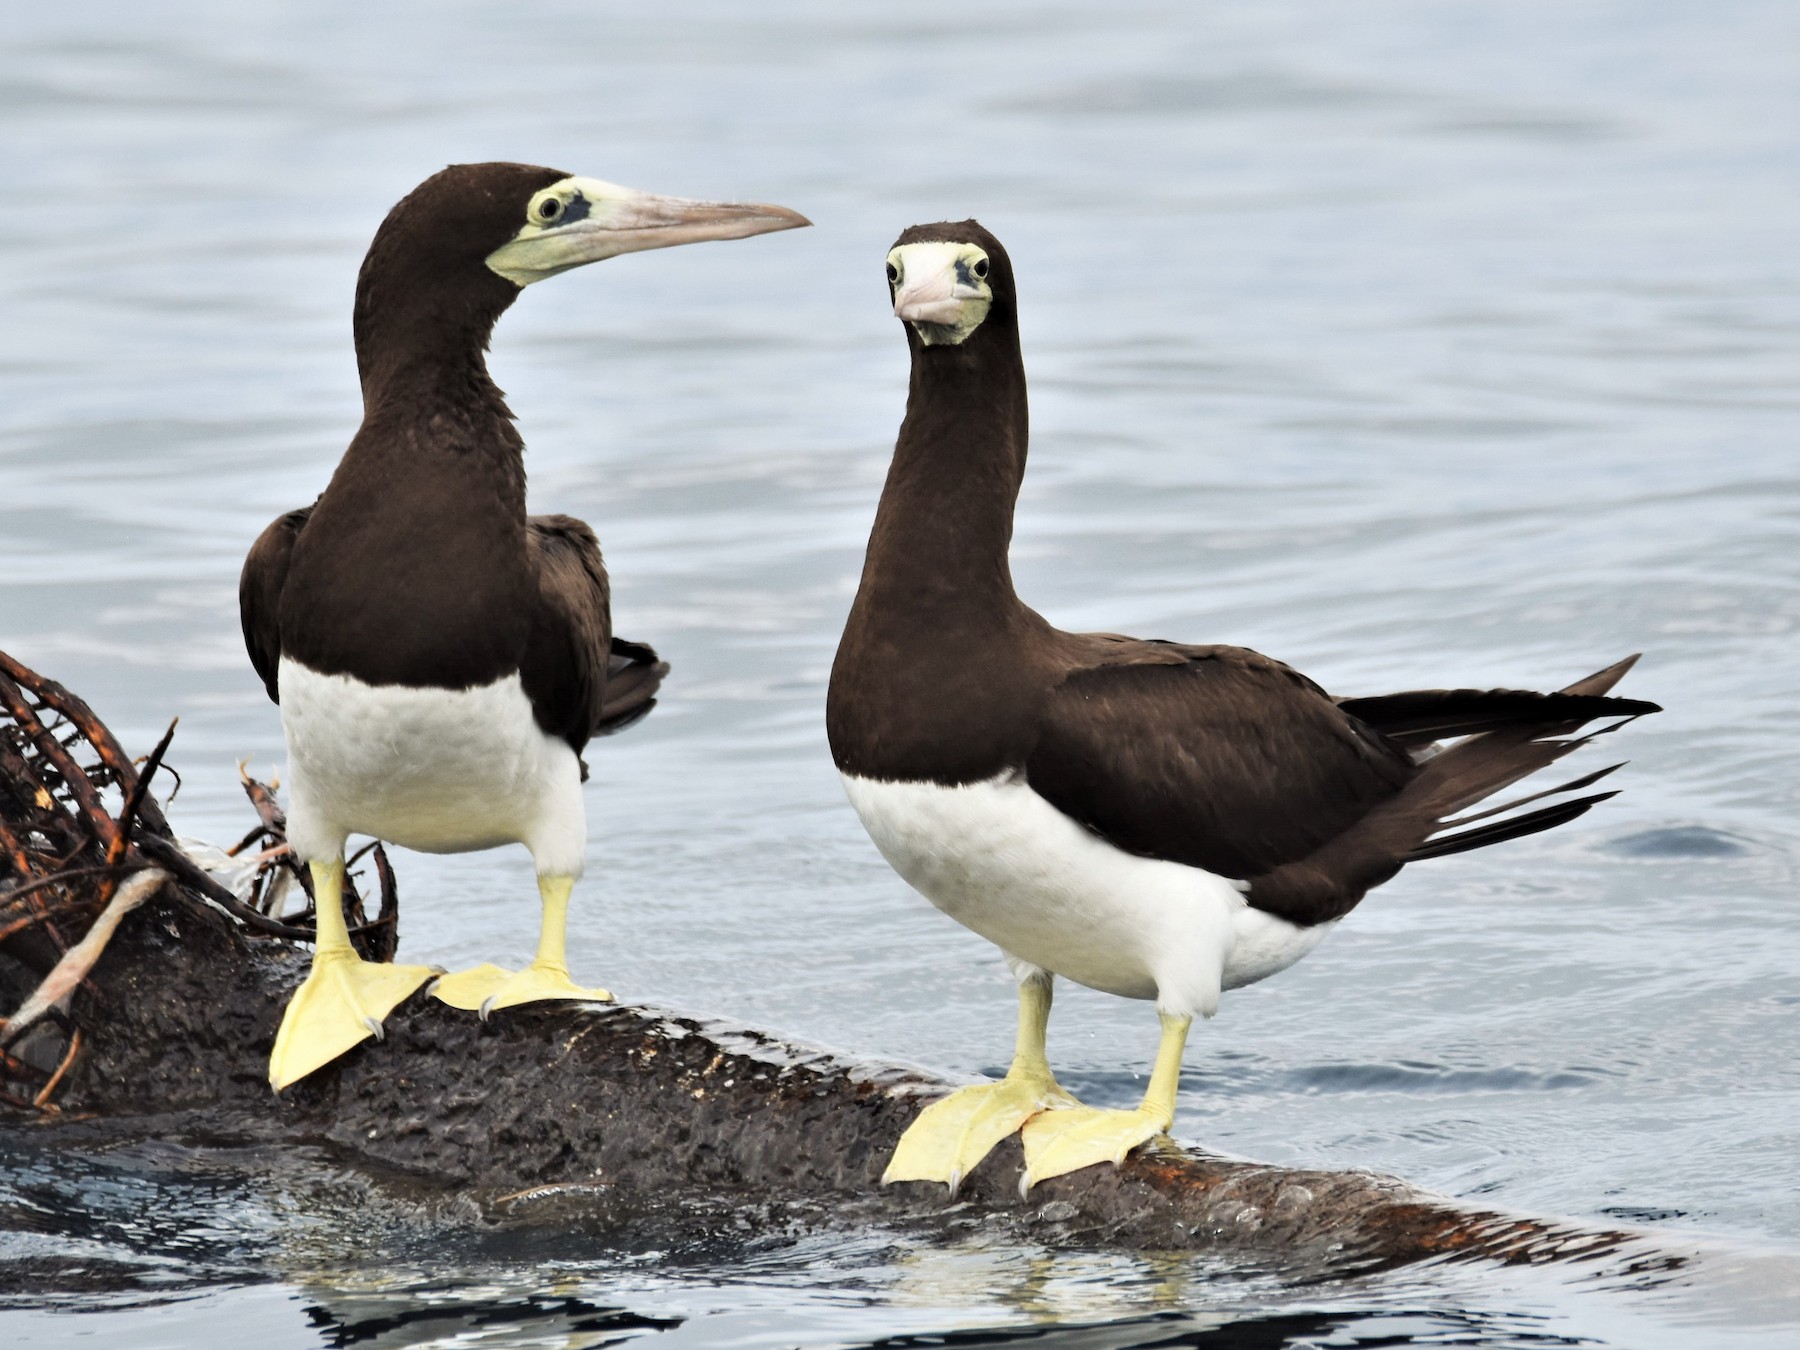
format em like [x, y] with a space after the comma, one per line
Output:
[82, 843]
[70, 804]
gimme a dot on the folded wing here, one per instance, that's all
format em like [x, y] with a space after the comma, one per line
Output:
[582, 681]
[259, 595]
[1223, 759]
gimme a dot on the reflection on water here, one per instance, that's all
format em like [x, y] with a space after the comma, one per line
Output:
[155, 1232]
[1410, 343]
[159, 1240]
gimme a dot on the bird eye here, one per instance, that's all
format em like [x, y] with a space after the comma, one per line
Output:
[550, 208]
[980, 269]
[893, 275]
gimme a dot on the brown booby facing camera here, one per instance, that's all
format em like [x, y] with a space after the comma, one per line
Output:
[1152, 819]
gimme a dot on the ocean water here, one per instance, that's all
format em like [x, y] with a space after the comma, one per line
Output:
[1413, 343]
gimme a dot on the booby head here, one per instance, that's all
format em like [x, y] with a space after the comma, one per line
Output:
[948, 279]
[524, 222]
[574, 221]
[471, 237]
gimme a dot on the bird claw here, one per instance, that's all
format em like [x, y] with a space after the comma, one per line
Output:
[1060, 1142]
[487, 989]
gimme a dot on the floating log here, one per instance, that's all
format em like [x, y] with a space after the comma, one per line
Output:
[618, 1115]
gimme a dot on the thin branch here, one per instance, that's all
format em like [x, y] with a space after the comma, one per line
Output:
[14, 849]
[134, 799]
[115, 871]
[72, 969]
[139, 793]
[256, 835]
[15, 1067]
[167, 853]
[74, 779]
[42, 812]
[111, 754]
[42, 1100]
[262, 797]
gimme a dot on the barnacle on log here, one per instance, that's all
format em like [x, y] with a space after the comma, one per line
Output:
[146, 994]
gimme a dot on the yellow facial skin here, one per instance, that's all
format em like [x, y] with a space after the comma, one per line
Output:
[941, 289]
[583, 220]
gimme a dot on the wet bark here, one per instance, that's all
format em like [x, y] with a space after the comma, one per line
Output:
[553, 1113]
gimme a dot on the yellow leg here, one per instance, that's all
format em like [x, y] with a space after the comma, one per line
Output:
[488, 987]
[951, 1136]
[1063, 1141]
[344, 998]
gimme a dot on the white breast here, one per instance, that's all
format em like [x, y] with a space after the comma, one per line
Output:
[440, 770]
[998, 858]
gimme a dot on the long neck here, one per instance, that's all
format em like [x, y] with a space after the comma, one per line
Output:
[942, 531]
[429, 405]
[939, 657]
[426, 344]
[422, 532]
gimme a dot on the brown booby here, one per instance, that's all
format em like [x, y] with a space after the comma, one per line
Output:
[441, 659]
[1150, 819]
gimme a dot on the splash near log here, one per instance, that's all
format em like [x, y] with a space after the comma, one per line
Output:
[144, 989]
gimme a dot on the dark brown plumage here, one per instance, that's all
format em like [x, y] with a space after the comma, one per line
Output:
[418, 565]
[558, 666]
[1216, 757]
[440, 658]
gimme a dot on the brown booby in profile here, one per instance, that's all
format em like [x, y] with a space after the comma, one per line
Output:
[441, 659]
[1150, 819]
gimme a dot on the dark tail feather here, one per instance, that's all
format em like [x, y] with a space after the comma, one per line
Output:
[1476, 768]
[1602, 681]
[1573, 785]
[1473, 769]
[1519, 733]
[1499, 831]
[633, 675]
[1423, 716]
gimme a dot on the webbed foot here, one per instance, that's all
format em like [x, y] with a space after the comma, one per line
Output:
[1058, 1142]
[488, 988]
[951, 1136]
[342, 1003]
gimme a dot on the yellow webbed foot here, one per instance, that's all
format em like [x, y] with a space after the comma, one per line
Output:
[469, 989]
[1066, 1141]
[342, 1003]
[951, 1136]
[488, 988]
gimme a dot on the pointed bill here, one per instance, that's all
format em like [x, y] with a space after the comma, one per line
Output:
[583, 220]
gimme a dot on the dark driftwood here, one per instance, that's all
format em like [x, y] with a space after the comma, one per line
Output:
[566, 1110]
[600, 1115]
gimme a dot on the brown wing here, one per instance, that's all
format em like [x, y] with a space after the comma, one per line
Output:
[1216, 757]
[259, 594]
[633, 675]
[581, 681]
[1226, 760]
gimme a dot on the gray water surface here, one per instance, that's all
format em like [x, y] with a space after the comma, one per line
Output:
[1413, 343]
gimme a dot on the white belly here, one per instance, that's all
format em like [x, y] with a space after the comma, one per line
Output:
[440, 770]
[998, 858]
